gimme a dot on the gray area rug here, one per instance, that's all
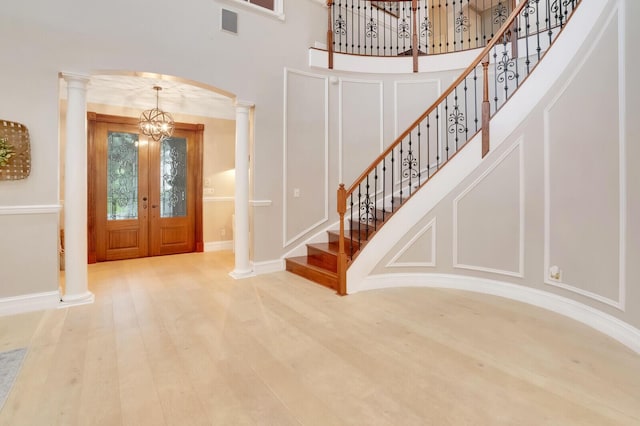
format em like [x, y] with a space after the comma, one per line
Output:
[10, 363]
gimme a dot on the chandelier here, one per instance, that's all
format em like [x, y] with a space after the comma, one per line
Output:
[156, 123]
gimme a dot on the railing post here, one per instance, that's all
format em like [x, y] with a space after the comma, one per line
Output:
[342, 255]
[486, 107]
[414, 39]
[329, 35]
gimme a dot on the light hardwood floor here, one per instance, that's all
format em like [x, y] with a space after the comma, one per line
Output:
[176, 341]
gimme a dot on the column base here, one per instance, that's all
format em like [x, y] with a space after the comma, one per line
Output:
[77, 299]
[239, 274]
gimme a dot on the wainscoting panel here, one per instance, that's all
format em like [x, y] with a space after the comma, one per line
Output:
[305, 183]
[585, 259]
[361, 101]
[418, 251]
[488, 219]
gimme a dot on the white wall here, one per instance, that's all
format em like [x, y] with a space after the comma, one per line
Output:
[39, 39]
[560, 190]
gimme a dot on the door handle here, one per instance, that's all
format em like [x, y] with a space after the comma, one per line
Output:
[153, 206]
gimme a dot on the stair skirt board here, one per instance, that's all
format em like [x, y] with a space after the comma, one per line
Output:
[613, 327]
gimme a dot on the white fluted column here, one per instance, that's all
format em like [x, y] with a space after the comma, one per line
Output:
[75, 193]
[242, 267]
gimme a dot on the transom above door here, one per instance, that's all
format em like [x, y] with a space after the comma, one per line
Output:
[145, 196]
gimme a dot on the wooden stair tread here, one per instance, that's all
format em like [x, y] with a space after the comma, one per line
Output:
[325, 247]
[300, 266]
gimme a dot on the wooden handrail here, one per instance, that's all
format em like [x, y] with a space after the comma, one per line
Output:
[484, 53]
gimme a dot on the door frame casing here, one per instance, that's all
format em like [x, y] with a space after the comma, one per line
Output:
[92, 119]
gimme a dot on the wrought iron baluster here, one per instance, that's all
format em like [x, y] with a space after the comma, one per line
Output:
[466, 112]
[367, 210]
[384, 186]
[401, 171]
[428, 148]
[438, 148]
[409, 163]
[526, 13]
[359, 32]
[351, 226]
[538, 47]
[433, 40]
[446, 132]
[419, 158]
[495, 76]
[375, 199]
[548, 21]
[475, 97]
[440, 26]
[446, 24]
[393, 172]
[456, 27]
[359, 214]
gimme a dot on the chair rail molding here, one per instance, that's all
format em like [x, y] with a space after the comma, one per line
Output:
[30, 209]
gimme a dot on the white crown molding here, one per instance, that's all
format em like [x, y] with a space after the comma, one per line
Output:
[605, 323]
[620, 304]
[287, 241]
[34, 209]
[521, 203]
[29, 302]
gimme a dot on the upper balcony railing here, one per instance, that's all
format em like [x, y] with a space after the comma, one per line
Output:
[424, 27]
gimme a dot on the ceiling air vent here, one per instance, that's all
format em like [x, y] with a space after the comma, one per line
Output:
[229, 21]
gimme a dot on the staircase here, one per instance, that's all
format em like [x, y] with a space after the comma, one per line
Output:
[320, 264]
[463, 111]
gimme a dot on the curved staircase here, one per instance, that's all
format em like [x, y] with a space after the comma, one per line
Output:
[459, 114]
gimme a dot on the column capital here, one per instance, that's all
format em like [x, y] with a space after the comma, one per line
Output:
[243, 105]
[77, 79]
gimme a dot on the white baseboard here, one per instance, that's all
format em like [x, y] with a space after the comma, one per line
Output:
[29, 302]
[268, 267]
[613, 327]
[218, 245]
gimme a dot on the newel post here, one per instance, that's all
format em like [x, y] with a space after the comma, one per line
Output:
[342, 255]
[414, 11]
[486, 107]
[329, 34]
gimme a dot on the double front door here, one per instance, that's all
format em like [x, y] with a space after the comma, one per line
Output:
[145, 194]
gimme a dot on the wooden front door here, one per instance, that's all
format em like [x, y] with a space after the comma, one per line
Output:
[145, 197]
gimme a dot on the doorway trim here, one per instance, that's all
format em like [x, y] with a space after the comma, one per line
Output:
[92, 119]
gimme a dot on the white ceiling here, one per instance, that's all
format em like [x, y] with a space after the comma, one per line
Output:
[137, 92]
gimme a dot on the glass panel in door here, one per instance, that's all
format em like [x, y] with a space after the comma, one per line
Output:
[122, 176]
[173, 177]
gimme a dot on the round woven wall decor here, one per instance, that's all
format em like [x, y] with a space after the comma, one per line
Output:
[17, 136]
